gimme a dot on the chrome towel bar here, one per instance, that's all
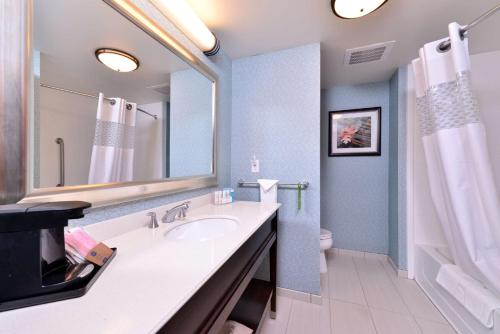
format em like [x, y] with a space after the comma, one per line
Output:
[303, 185]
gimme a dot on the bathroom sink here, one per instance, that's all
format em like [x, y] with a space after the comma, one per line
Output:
[203, 229]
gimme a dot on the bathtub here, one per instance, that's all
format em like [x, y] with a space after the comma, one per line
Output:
[428, 260]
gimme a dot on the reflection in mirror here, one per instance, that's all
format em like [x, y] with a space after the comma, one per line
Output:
[148, 116]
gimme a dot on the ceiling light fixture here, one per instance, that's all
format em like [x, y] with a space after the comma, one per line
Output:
[351, 9]
[117, 60]
[179, 12]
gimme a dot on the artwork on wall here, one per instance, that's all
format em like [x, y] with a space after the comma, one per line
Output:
[354, 132]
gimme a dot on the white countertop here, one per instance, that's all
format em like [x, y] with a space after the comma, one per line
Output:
[146, 283]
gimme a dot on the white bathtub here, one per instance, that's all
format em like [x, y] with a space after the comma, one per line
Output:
[428, 260]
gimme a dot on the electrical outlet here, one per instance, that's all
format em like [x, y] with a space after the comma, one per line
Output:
[255, 166]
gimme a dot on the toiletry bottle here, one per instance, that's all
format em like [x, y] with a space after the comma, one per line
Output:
[224, 196]
[216, 197]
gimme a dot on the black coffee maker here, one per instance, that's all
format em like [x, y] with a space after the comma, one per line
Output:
[32, 252]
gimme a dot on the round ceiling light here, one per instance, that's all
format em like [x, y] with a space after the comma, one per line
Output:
[117, 60]
[351, 9]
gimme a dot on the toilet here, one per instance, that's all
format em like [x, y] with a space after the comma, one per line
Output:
[325, 243]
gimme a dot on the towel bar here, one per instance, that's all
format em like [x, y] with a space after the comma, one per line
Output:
[303, 185]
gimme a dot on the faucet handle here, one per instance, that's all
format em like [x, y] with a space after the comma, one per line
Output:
[154, 222]
[188, 204]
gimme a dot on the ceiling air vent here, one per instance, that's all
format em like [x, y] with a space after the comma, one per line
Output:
[368, 53]
[163, 88]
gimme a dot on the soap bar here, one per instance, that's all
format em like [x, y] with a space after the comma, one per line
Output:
[99, 254]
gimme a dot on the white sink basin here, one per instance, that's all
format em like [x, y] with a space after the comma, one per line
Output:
[203, 229]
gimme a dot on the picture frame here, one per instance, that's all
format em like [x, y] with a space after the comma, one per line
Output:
[355, 132]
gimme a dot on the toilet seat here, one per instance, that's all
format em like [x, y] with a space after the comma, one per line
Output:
[325, 234]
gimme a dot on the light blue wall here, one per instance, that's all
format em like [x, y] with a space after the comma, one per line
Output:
[402, 152]
[393, 170]
[190, 124]
[276, 116]
[397, 169]
[354, 199]
[221, 64]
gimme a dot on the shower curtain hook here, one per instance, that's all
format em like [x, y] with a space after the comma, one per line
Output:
[444, 46]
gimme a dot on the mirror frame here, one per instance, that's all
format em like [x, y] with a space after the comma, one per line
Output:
[114, 193]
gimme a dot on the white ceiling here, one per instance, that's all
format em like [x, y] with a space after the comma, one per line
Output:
[247, 28]
[68, 32]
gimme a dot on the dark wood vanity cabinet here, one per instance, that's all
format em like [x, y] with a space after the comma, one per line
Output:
[233, 292]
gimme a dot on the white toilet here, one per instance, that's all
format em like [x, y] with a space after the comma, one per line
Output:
[325, 243]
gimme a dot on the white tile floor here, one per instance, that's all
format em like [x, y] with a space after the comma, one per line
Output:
[361, 295]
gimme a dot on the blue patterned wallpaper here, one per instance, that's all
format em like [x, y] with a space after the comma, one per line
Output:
[114, 211]
[354, 190]
[221, 64]
[276, 116]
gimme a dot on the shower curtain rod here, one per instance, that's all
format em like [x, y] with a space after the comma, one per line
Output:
[445, 45]
[92, 96]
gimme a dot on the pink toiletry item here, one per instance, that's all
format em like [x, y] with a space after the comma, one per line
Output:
[80, 241]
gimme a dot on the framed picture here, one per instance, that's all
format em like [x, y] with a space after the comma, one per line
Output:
[354, 132]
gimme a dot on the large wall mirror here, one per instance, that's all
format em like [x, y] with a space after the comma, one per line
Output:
[115, 103]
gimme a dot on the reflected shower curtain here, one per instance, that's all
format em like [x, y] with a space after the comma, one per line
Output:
[113, 151]
[460, 175]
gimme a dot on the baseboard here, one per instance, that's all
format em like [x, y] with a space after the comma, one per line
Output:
[368, 255]
[318, 300]
[399, 272]
[315, 299]
[355, 253]
[299, 295]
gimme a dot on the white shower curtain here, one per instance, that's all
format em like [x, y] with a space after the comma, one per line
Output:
[113, 151]
[460, 175]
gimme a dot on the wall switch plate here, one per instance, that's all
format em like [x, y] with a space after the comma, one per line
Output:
[255, 165]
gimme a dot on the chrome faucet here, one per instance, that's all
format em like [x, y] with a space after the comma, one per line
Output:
[178, 211]
[153, 223]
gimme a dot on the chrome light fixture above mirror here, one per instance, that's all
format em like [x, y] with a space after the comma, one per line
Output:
[117, 60]
[179, 12]
[351, 9]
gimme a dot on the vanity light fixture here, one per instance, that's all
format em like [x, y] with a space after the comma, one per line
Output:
[352, 9]
[117, 60]
[183, 16]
